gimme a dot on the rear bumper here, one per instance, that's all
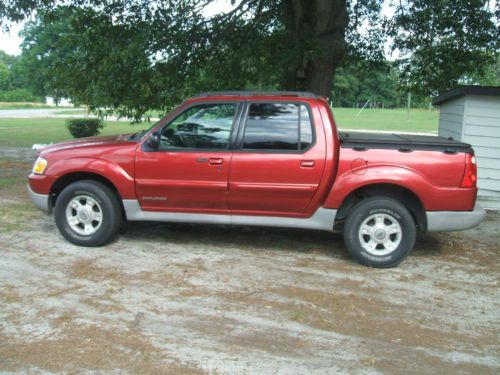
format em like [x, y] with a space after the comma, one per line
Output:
[450, 221]
[41, 201]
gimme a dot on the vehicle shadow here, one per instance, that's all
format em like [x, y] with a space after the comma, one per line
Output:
[428, 245]
[255, 238]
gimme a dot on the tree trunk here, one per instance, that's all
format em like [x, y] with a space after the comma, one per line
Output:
[317, 32]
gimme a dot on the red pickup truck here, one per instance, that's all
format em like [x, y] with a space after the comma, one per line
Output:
[268, 159]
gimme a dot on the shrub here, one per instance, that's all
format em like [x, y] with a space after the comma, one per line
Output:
[84, 127]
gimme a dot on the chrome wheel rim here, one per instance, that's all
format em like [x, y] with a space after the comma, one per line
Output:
[84, 215]
[380, 234]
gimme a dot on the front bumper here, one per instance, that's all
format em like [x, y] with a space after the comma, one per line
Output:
[450, 221]
[41, 201]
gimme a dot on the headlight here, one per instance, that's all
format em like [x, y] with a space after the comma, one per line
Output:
[40, 165]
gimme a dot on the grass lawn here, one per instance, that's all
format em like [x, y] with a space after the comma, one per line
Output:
[7, 182]
[25, 132]
[387, 119]
[76, 111]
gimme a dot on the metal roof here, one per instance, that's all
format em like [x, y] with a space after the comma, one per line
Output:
[466, 90]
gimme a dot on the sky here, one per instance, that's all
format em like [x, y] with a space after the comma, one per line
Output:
[10, 42]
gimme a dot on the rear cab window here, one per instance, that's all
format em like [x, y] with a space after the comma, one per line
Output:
[278, 126]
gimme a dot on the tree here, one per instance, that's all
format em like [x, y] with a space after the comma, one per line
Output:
[135, 55]
[444, 41]
[364, 81]
[14, 84]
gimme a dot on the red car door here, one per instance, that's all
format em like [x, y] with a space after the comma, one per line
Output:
[189, 172]
[277, 164]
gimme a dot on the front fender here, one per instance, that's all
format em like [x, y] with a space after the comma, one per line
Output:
[433, 197]
[107, 169]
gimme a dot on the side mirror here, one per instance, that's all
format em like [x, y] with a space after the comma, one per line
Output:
[154, 141]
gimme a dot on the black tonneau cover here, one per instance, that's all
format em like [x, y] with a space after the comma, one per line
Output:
[402, 142]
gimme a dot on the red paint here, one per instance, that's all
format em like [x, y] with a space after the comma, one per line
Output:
[188, 180]
[260, 183]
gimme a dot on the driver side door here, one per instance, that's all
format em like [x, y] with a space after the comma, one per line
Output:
[189, 172]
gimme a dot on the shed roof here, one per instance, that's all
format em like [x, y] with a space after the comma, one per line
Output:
[466, 90]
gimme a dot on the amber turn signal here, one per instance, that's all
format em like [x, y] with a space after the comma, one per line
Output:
[40, 166]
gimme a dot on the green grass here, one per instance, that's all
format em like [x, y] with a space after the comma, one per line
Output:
[24, 132]
[75, 111]
[7, 105]
[13, 216]
[387, 119]
[4, 182]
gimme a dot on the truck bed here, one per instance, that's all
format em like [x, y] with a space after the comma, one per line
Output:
[403, 142]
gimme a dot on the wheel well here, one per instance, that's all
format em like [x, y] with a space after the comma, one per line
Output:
[69, 178]
[401, 194]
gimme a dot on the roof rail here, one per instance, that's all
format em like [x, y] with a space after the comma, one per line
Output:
[300, 94]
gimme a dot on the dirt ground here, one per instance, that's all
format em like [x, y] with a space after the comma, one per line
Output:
[194, 299]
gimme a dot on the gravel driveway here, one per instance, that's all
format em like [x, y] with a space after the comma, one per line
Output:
[171, 298]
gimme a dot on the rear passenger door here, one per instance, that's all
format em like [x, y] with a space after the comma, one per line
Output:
[277, 162]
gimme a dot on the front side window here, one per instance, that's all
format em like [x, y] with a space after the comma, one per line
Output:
[277, 126]
[205, 126]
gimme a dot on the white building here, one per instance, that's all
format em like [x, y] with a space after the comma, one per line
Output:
[472, 114]
[62, 101]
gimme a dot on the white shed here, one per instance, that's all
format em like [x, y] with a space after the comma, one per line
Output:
[472, 114]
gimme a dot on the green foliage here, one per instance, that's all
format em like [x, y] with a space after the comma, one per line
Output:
[19, 95]
[15, 85]
[490, 76]
[133, 56]
[84, 127]
[444, 42]
[357, 83]
[4, 75]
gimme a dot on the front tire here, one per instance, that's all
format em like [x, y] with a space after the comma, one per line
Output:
[88, 213]
[379, 232]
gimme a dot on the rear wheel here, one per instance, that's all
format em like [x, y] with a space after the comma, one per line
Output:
[379, 232]
[88, 213]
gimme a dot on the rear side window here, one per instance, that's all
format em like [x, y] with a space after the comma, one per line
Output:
[278, 126]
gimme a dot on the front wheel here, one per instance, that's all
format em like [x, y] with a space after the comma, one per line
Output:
[88, 213]
[379, 232]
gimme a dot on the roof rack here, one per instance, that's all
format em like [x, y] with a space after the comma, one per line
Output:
[300, 94]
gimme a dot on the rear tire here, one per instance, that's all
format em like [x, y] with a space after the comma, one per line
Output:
[379, 232]
[88, 213]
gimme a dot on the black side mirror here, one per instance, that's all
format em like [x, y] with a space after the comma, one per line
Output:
[154, 141]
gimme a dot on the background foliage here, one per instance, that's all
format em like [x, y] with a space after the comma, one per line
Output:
[133, 56]
[84, 127]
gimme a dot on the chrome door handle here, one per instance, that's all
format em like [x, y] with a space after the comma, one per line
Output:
[307, 163]
[215, 161]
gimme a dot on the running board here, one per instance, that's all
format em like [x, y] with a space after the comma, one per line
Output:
[323, 218]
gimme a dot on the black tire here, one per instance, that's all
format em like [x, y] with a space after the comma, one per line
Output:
[104, 201]
[386, 214]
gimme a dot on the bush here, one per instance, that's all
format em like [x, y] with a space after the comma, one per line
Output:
[84, 127]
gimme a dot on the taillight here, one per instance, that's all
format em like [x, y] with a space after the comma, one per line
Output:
[470, 175]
